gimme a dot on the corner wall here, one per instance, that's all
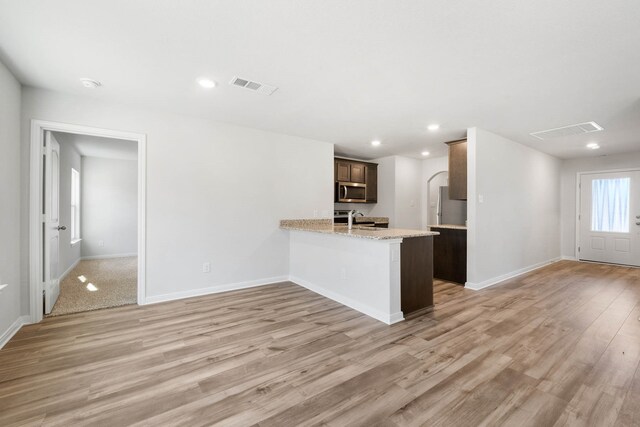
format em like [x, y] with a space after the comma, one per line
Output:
[516, 226]
[408, 193]
[215, 192]
[10, 218]
[570, 169]
[399, 191]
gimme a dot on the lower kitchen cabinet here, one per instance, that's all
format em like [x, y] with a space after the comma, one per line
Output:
[450, 255]
[416, 274]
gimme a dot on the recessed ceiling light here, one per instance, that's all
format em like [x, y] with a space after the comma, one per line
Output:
[375, 143]
[92, 287]
[206, 83]
[90, 83]
[433, 127]
[425, 153]
[593, 145]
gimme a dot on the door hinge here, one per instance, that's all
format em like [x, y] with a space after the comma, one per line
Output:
[579, 217]
[578, 248]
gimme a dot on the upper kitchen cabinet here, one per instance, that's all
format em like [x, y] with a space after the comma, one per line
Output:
[458, 169]
[356, 181]
[349, 171]
[372, 182]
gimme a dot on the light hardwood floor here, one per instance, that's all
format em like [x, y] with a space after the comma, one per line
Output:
[559, 346]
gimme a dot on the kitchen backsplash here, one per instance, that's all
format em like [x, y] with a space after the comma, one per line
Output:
[360, 207]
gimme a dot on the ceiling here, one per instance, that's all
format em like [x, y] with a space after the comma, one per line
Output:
[349, 72]
[97, 146]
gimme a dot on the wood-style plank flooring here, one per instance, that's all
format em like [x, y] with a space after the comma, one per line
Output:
[559, 346]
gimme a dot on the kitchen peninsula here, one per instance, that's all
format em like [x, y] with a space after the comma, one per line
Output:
[383, 273]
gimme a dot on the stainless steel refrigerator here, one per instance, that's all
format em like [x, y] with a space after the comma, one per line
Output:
[451, 212]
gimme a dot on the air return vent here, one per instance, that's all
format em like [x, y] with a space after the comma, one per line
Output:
[567, 131]
[253, 86]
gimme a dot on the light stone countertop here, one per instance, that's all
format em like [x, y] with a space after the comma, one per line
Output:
[449, 226]
[326, 227]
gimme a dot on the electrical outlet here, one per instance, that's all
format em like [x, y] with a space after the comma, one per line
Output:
[206, 267]
[315, 213]
[100, 243]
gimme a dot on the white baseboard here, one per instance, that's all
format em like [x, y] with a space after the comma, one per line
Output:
[389, 319]
[13, 329]
[108, 256]
[568, 258]
[68, 270]
[510, 275]
[213, 290]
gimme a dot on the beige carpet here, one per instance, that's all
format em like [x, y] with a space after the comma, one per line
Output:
[114, 281]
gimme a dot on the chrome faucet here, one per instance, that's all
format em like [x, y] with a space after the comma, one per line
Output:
[352, 215]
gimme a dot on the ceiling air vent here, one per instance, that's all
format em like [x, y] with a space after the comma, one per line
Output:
[567, 131]
[253, 86]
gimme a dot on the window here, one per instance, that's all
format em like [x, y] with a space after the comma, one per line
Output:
[75, 206]
[610, 205]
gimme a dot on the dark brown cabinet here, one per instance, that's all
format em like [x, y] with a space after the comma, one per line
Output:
[357, 173]
[450, 255]
[372, 183]
[363, 174]
[343, 171]
[347, 171]
[458, 169]
[416, 273]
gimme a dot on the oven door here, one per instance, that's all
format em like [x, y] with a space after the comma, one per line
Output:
[351, 192]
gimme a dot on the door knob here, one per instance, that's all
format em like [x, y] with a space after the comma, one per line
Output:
[62, 227]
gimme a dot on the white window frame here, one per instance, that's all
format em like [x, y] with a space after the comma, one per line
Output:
[75, 207]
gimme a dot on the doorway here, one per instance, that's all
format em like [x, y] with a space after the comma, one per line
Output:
[608, 223]
[50, 216]
[434, 183]
[95, 246]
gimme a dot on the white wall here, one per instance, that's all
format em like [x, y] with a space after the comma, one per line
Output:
[408, 193]
[570, 168]
[517, 226]
[109, 212]
[399, 191]
[10, 218]
[215, 192]
[69, 158]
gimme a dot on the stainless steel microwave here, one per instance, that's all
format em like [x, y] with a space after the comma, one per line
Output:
[351, 192]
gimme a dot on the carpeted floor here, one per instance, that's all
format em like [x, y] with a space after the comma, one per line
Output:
[114, 280]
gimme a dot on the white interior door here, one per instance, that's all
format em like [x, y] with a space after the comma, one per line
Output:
[52, 225]
[609, 221]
